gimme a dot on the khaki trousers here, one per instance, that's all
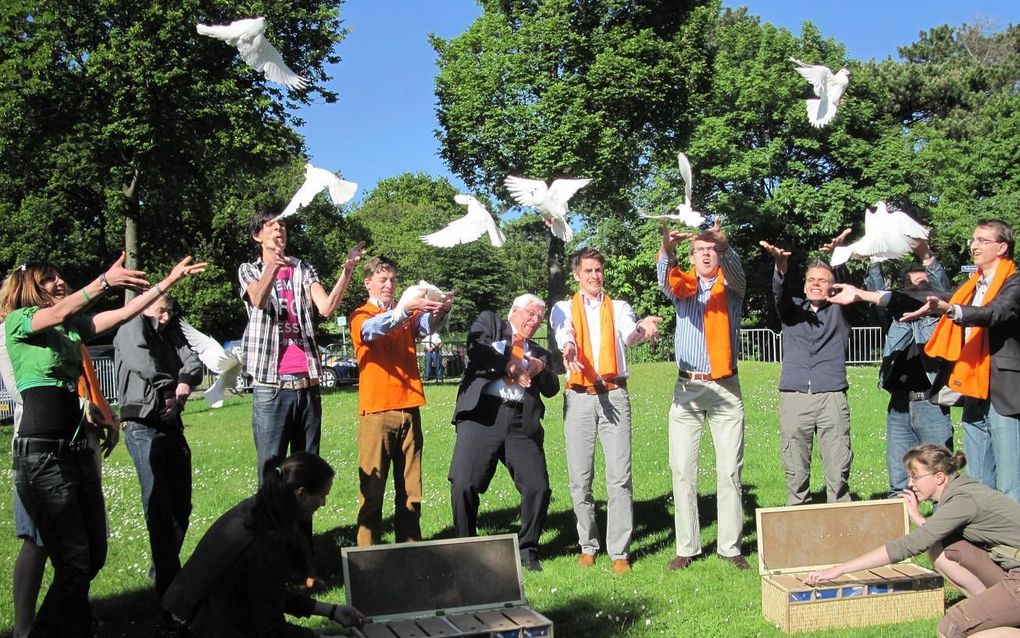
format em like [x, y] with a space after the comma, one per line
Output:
[389, 438]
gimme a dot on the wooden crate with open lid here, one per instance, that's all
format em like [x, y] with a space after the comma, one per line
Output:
[795, 541]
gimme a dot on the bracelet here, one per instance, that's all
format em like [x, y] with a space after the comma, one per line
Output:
[159, 289]
[86, 293]
[103, 282]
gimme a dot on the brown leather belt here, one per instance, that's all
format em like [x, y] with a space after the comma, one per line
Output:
[699, 376]
[597, 389]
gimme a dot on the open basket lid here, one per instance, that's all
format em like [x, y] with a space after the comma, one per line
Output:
[387, 582]
[811, 537]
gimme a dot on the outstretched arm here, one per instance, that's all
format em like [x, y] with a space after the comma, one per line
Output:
[327, 304]
[110, 319]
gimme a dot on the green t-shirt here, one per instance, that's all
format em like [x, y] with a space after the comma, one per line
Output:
[51, 357]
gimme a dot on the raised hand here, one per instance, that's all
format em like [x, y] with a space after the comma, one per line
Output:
[715, 234]
[933, 306]
[185, 268]
[835, 241]
[354, 255]
[119, 276]
[781, 256]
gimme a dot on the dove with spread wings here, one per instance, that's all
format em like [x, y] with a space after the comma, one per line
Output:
[468, 228]
[226, 365]
[316, 181]
[685, 212]
[551, 201]
[888, 234]
[248, 36]
[828, 86]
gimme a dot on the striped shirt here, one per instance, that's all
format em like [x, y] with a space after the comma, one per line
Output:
[261, 342]
[689, 340]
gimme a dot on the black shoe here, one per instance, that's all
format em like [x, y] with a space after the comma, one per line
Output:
[531, 564]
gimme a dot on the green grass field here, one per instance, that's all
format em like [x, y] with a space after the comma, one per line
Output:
[708, 599]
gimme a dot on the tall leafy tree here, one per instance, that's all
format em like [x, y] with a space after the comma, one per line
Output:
[127, 129]
[552, 88]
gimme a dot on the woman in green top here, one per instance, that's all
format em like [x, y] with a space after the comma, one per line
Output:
[972, 539]
[55, 471]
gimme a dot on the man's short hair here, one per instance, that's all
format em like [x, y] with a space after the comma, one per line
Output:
[266, 212]
[526, 300]
[377, 265]
[818, 263]
[909, 269]
[1003, 230]
[586, 253]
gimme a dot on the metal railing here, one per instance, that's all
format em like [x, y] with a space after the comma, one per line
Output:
[762, 344]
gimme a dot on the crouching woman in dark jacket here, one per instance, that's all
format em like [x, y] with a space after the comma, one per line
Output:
[235, 585]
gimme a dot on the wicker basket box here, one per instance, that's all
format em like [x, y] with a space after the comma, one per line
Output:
[795, 541]
[464, 587]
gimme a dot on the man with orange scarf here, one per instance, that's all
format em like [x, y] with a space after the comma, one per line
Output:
[979, 338]
[591, 331]
[708, 300]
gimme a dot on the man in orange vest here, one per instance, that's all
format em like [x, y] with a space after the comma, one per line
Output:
[389, 395]
[591, 331]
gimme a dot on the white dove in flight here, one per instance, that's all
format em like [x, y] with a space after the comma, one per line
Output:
[248, 36]
[468, 228]
[551, 201]
[685, 212]
[316, 181]
[828, 87]
[226, 365]
[887, 235]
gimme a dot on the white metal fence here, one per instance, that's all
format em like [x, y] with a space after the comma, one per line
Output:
[762, 344]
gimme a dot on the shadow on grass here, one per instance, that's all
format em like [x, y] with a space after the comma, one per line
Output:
[131, 614]
[601, 617]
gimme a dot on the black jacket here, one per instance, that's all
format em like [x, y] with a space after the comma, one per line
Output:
[486, 364]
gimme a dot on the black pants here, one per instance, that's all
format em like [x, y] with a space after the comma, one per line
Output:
[62, 493]
[493, 433]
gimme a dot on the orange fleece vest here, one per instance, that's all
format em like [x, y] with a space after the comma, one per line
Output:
[388, 377]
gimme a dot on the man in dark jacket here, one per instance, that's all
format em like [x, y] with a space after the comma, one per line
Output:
[812, 385]
[156, 371]
[498, 417]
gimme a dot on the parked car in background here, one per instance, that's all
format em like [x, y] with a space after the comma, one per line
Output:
[338, 368]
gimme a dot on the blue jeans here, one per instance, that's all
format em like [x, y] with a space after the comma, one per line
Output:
[992, 444]
[63, 496]
[282, 419]
[163, 462]
[909, 423]
[434, 365]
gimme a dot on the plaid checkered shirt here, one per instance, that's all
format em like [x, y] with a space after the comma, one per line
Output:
[262, 334]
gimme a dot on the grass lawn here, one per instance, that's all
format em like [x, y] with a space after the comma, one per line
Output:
[708, 599]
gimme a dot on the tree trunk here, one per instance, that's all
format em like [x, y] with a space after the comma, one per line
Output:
[131, 228]
[557, 291]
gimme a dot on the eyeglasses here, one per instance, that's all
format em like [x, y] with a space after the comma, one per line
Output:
[914, 477]
[983, 241]
[703, 249]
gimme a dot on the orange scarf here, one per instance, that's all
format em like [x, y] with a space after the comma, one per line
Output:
[717, 318]
[971, 359]
[89, 388]
[608, 365]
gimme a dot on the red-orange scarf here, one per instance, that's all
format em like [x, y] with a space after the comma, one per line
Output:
[971, 359]
[717, 318]
[89, 388]
[609, 367]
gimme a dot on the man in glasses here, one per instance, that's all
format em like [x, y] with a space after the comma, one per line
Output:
[709, 300]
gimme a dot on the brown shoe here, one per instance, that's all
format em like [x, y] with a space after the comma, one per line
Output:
[586, 560]
[737, 561]
[680, 562]
[621, 566]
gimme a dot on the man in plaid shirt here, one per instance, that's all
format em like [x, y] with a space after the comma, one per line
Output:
[282, 296]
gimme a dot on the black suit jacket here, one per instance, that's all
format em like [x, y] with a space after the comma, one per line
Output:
[486, 364]
[1002, 318]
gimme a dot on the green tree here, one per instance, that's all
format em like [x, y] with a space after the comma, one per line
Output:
[551, 88]
[127, 128]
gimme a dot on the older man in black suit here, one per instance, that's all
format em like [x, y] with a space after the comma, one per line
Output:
[498, 418]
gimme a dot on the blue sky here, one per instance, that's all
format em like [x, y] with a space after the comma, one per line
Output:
[383, 123]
